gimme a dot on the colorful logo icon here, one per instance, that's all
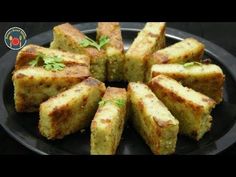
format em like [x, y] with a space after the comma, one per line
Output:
[15, 38]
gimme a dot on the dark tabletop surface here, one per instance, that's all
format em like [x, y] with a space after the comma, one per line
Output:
[222, 34]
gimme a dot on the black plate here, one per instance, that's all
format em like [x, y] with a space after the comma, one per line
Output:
[23, 126]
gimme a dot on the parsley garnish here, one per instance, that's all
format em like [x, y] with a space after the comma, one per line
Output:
[52, 63]
[102, 103]
[190, 64]
[118, 102]
[103, 41]
[34, 62]
[89, 42]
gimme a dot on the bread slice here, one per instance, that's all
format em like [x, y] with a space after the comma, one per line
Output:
[108, 123]
[152, 119]
[33, 85]
[114, 49]
[70, 110]
[182, 52]
[204, 78]
[150, 39]
[30, 52]
[191, 108]
[68, 38]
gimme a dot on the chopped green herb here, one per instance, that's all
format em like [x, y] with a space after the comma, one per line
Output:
[102, 103]
[37, 60]
[190, 64]
[120, 102]
[89, 42]
[34, 62]
[52, 63]
[103, 41]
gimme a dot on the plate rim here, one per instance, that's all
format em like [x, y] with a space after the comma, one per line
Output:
[211, 48]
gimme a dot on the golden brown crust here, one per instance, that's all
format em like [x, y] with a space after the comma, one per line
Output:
[114, 49]
[152, 119]
[61, 113]
[113, 32]
[155, 85]
[191, 108]
[137, 57]
[159, 58]
[69, 38]
[162, 124]
[108, 123]
[162, 56]
[76, 35]
[113, 92]
[94, 53]
[70, 31]
[74, 71]
[25, 55]
[208, 81]
[71, 110]
[92, 82]
[32, 86]
[30, 52]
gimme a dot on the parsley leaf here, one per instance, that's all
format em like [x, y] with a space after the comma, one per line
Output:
[103, 41]
[34, 62]
[102, 103]
[190, 64]
[120, 102]
[52, 63]
[89, 42]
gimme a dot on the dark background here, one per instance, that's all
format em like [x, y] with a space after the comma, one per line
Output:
[222, 34]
